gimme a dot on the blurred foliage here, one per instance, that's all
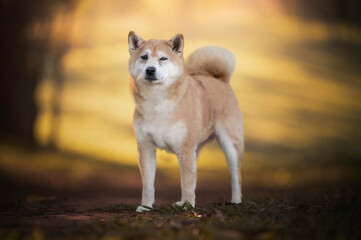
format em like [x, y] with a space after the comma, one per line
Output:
[296, 77]
[342, 11]
[26, 27]
[296, 80]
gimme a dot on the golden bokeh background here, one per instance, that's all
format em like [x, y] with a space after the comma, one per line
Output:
[297, 82]
[68, 154]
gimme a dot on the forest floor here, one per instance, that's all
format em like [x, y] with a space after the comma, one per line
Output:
[52, 195]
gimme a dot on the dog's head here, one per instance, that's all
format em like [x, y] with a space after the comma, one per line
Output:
[155, 61]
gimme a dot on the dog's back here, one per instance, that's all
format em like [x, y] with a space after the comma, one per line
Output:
[211, 69]
[210, 102]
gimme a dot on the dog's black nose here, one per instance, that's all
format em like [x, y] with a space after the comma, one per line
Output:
[150, 71]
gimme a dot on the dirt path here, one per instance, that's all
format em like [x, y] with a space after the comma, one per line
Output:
[69, 197]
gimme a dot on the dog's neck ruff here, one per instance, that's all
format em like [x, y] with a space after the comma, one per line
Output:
[159, 98]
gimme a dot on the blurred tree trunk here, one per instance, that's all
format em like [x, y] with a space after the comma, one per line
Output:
[340, 11]
[25, 28]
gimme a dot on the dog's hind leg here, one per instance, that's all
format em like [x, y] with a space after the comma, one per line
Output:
[231, 142]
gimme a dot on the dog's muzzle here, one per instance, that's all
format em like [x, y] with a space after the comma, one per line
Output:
[150, 74]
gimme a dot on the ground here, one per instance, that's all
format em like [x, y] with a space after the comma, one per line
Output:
[66, 196]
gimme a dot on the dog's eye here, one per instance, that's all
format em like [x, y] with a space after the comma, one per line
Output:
[144, 57]
[163, 58]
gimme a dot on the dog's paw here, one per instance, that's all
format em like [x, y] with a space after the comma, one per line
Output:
[143, 209]
[179, 203]
[184, 204]
[236, 201]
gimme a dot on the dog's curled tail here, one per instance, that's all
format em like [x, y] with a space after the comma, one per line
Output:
[211, 61]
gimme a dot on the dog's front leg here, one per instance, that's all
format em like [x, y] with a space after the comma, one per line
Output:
[147, 167]
[188, 167]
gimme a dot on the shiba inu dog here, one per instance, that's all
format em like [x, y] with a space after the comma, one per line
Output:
[179, 107]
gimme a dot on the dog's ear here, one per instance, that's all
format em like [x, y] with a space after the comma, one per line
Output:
[134, 41]
[177, 43]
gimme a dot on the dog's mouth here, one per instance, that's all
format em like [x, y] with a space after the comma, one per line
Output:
[151, 79]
